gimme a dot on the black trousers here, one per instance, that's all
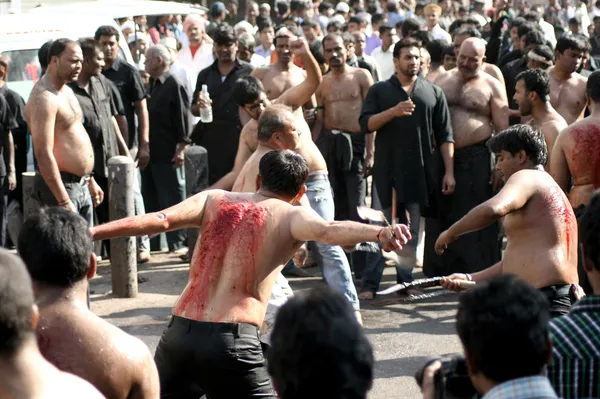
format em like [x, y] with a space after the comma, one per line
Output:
[560, 298]
[221, 360]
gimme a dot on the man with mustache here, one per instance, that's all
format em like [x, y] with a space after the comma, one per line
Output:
[478, 108]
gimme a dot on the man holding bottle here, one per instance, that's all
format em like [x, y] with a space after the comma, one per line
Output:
[221, 136]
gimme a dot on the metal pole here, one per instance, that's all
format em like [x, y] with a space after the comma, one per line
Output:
[196, 180]
[30, 204]
[123, 262]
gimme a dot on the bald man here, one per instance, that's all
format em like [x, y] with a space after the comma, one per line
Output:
[478, 108]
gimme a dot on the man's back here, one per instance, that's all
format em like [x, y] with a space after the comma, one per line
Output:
[542, 234]
[77, 341]
[245, 242]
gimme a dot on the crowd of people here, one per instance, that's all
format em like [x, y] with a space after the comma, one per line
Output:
[472, 126]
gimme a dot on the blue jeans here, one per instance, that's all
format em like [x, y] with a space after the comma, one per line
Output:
[336, 269]
[376, 261]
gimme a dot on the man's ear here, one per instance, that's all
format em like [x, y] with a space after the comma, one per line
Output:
[35, 316]
[300, 194]
[522, 156]
[258, 182]
[92, 268]
[484, 59]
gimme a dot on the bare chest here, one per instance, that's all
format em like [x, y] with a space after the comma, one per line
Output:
[471, 98]
[565, 94]
[342, 90]
[277, 82]
[69, 112]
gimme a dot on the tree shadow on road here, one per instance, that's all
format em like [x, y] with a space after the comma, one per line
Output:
[400, 367]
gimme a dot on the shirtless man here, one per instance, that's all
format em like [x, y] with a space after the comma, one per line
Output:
[532, 94]
[490, 69]
[478, 107]
[24, 373]
[340, 99]
[538, 221]
[211, 345]
[69, 335]
[567, 87]
[62, 146]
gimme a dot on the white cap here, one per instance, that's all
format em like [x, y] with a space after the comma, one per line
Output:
[137, 36]
[127, 25]
[169, 42]
[342, 7]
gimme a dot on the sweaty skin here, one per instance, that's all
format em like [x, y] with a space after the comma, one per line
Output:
[79, 342]
[550, 126]
[540, 227]
[567, 96]
[245, 241]
[576, 154]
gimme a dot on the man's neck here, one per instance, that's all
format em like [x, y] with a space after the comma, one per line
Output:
[196, 43]
[406, 80]
[285, 66]
[268, 194]
[108, 64]
[542, 111]
[384, 48]
[54, 81]
[338, 71]
[2, 83]
[75, 294]
[225, 67]
[83, 79]
[161, 73]
[560, 73]
[22, 374]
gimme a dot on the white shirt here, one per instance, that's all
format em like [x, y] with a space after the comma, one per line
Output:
[439, 33]
[385, 61]
[258, 61]
[549, 32]
[201, 60]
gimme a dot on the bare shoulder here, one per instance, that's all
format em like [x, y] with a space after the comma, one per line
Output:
[491, 81]
[448, 79]
[73, 387]
[493, 70]
[260, 72]
[361, 74]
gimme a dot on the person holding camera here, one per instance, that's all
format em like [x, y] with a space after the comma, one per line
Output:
[503, 327]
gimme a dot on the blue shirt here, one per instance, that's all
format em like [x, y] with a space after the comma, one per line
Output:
[534, 387]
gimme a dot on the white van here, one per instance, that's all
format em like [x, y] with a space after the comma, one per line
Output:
[21, 35]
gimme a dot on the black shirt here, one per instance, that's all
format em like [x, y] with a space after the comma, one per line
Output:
[129, 82]
[407, 149]
[7, 122]
[510, 73]
[98, 110]
[168, 110]
[16, 104]
[116, 97]
[221, 137]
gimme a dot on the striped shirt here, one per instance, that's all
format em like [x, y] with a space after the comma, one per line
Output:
[575, 368]
[533, 387]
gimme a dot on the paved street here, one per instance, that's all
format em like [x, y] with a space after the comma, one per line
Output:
[403, 336]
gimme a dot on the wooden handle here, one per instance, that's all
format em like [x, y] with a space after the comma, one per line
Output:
[466, 284]
[394, 206]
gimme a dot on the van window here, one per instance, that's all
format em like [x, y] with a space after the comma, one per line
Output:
[24, 65]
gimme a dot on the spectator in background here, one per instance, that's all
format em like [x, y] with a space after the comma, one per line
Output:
[163, 182]
[364, 59]
[266, 34]
[517, 49]
[282, 9]
[478, 14]
[243, 27]
[218, 13]
[449, 59]
[252, 12]
[575, 368]
[373, 41]
[138, 44]
[265, 10]
[384, 54]
[161, 29]
[312, 32]
[334, 27]
[448, 14]
[325, 13]
[393, 13]
[199, 54]
[433, 12]
[232, 12]
[342, 12]
[436, 50]
[409, 27]
[503, 327]
[8, 178]
[540, 57]
[319, 350]
[182, 73]
[575, 26]
[246, 45]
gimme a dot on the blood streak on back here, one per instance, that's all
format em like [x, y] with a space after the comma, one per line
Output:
[585, 160]
[236, 225]
[562, 210]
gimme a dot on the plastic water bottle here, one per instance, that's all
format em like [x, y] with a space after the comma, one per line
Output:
[206, 113]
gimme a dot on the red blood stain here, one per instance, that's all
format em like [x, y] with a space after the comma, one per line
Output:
[561, 209]
[237, 230]
[585, 160]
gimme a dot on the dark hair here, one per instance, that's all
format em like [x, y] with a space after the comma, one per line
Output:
[517, 22]
[391, 6]
[377, 18]
[262, 20]
[294, 5]
[16, 301]
[472, 21]
[266, 24]
[247, 90]
[107, 30]
[409, 26]
[436, 50]
[283, 172]
[58, 46]
[384, 28]
[449, 51]
[525, 29]
[43, 54]
[471, 32]
[356, 19]
[593, 86]
[534, 37]
[89, 47]
[521, 137]
[282, 6]
[56, 246]
[324, 6]
[310, 23]
[536, 81]
[503, 320]
[293, 19]
[532, 16]
[573, 42]
[224, 35]
[318, 346]
[423, 36]
[398, 25]
[347, 38]
[316, 50]
[405, 42]
[272, 120]
[544, 51]
[575, 21]
[589, 230]
[336, 24]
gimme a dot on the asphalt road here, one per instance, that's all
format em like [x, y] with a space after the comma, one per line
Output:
[403, 335]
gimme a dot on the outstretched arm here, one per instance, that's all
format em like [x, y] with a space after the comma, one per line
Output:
[307, 225]
[299, 95]
[186, 214]
[243, 154]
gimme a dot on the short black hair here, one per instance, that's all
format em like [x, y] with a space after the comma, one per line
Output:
[377, 18]
[502, 320]
[516, 22]
[266, 24]
[282, 6]
[472, 21]
[316, 49]
[272, 120]
[283, 172]
[247, 90]
[532, 16]
[468, 31]
[521, 137]
[536, 81]
[324, 6]
[436, 50]
[310, 23]
[224, 35]
[89, 47]
[405, 42]
[347, 38]
[409, 26]
[589, 230]
[573, 42]
[58, 46]
[16, 304]
[317, 346]
[107, 30]
[356, 19]
[384, 28]
[56, 246]
[43, 52]
[544, 51]
[575, 21]
[534, 37]
[423, 37]
[593, 86]
[525, 28]
[336, 24]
